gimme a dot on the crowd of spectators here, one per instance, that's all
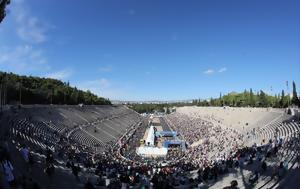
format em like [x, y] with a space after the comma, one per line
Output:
[212, 151]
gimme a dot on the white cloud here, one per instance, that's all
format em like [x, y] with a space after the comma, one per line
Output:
[101, 87]
[107, 68]
[31, 32]
[23, 59]
[104, 82]
[222, 70]
[105, 88]
[60, 75]
[212, 71]
[29, 28]
[27, 57]
[209, 71]
[95, 85]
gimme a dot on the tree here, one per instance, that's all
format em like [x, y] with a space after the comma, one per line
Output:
[276, 101]
[221, 103]
[295, 99]
[35, 90]
[263, 101]
[3, 4]
[283, 100]
[252, 102]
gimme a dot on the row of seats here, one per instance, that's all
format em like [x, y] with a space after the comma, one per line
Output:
[91, 126]
[288, 154]
[35, 132]
[105, 131]
[268, 118]
[289, 131]
[278, 128]
[85, 139]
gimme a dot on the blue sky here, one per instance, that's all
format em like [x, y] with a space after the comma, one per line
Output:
[155, 50]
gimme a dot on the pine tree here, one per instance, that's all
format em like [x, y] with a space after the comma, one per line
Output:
[3, 4]
[276, 103]
[252, 102]
[262, 99]
[283, 100]
[221, 100]
[295, 99]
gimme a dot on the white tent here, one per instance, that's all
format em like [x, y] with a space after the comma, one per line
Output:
[150, 137]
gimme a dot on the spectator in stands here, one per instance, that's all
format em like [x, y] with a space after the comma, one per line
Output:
[49, 170]
[7, 169]
[31, 159]
[124, 178]
[281, 170]
[75, 170]
[6, 146]
[264, 166]
[88, 184]
[253, 177]
[25, 153]
[27, 157]
[49, 157]
[220, 149]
